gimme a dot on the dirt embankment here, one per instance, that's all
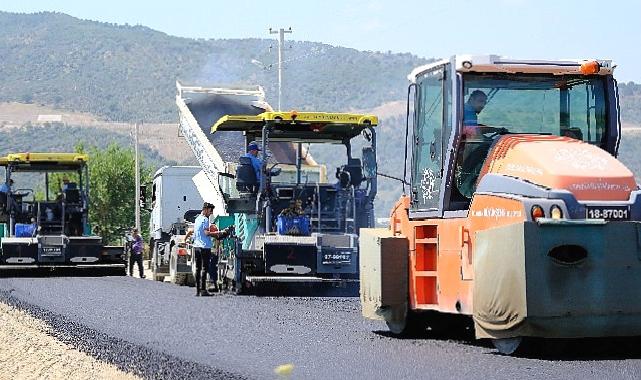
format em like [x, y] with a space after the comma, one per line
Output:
[27, 351]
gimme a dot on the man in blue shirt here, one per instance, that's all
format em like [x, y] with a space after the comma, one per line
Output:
[67, 185]
[474, 105]
[5, 189]
[257, 163]
[202, 244]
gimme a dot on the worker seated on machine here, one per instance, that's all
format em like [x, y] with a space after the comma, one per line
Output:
[9, 202]
[67, 185]
[474, 105]
[470, 156]
[249, 170]
[293, 220]
[475, 145]
[257, 163]
[472, 129]
[73, 218]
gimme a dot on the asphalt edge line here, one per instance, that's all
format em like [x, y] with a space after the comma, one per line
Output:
[129, 357]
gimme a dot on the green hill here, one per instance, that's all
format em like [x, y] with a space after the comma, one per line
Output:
[630, 99]
[63, 138]
[129, 72]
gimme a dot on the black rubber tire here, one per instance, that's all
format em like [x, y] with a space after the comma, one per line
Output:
[508, 346]
[413, 325]
[154, 271]
[238, 288]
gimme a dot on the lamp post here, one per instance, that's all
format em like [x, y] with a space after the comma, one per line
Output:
[281, 41]
[137, 175]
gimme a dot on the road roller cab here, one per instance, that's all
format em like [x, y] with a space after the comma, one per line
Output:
[517, 212]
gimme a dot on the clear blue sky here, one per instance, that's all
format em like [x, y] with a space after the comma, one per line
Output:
[544, 29]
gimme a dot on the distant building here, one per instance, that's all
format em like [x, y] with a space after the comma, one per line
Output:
[49, 118]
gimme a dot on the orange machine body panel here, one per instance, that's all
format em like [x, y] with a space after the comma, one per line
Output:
[587, 171]
[441, 263]
[441, 270]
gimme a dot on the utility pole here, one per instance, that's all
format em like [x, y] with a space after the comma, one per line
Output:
[281, 41]
[137, 174]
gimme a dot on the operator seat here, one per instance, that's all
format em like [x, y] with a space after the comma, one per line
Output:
[72, 196]
[3, 202]
[246, 181]
[73, 211]
[4, 212]
[350, 174]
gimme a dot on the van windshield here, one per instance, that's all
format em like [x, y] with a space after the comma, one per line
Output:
[564, 105]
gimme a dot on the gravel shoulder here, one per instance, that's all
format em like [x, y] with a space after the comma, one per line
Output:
[29, 351]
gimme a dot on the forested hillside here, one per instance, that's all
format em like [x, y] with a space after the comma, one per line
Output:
[630, 98]
[64, 138]
[129, 72]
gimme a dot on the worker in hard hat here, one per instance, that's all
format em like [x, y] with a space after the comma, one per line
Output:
[257, 163]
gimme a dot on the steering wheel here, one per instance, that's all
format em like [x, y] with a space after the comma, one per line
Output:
[273, 171]
[490, 133]
[23, 192]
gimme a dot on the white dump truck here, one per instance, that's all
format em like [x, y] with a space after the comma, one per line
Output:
[175, 202]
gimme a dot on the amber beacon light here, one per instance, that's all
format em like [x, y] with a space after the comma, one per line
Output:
[590, 67]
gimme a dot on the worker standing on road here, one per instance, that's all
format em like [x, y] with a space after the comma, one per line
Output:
[136, 253]
[202, 246]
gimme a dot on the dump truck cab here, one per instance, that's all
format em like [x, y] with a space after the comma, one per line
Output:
[517, 208]
[293, 225]
[51, 229]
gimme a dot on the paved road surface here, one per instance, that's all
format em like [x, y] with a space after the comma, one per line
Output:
[248, 336]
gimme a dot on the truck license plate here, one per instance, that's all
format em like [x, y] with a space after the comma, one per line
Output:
[608, 212]
[52, 251]
[337, 258]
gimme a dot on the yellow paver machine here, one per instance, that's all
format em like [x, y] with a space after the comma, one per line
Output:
[50, 230]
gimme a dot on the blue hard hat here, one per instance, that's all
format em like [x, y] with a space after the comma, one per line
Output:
[253, 146]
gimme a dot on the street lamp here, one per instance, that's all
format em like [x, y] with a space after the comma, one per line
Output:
[281, 41]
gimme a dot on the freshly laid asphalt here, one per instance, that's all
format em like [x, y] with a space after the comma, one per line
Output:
[160, 330]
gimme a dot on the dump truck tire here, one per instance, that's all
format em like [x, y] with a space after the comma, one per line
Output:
[238, 288]
[155, 274]
[174, 277]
